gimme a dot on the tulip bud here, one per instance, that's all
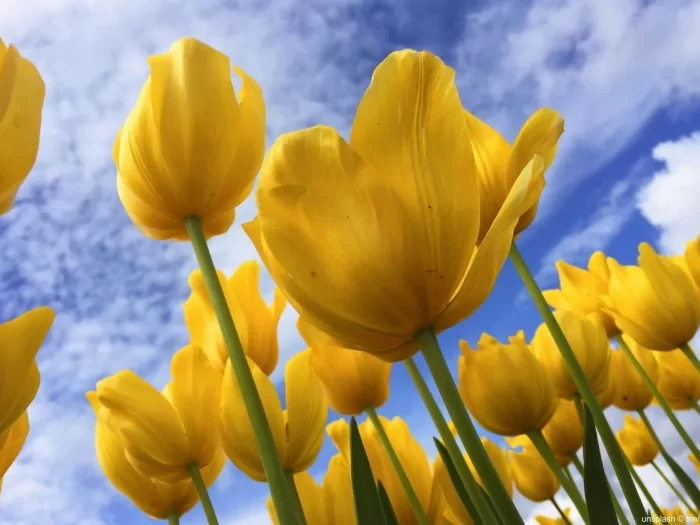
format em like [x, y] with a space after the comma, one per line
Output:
[533, 477]
[564, 432]
[499, 459]
[679, 380]
[636, 442]
[631, 392]
[455, 511]
[12, 441]
[607, 396]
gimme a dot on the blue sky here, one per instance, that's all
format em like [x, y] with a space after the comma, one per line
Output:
[625, 75]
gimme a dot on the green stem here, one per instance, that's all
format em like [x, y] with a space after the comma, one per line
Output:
[563, 515]
[605, 432]
[677, 492]
[571, 489]
[659, 398]
[569, 475]
[272, 466]
[577, 463]
[470, 484]
[637, 478]
[203, 494]
[465, 428]
[398, 467]
[295, 493]
[173, 519]
[691, 355]
[696, 407]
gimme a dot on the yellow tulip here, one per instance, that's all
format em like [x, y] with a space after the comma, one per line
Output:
[654, 303]
[156, 498]
[353, 381]
[679, 380]
[499, 163]
[20, 340]
[676, 514]
[636, 442]
[692, 260]
[563, 432]
[606, 397]
[297, 431]
[695, 462]
[631, 393]
[256, 322]
[532, 476]
[337, 493]
[374, 240]
[454, 510]
[544, 520]
[311, 497]
[505, 387]
[589, 342]
[164, 433]
[499, 459]
[411, 455]
[22, 94]
[12, 441]
[581, 290]
[188, 147]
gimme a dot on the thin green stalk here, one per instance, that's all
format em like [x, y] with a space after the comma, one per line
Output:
[272, 466]
[659, 398]
[677, 492]
[203, 494]
[605, 432]
[571, 489]
[295, 493]
[430, 348]
[577, 463]
[563, 515]
[173, 519]
[616, 502]
[696, 407]
[568, 473]
[472, 487]
[691, 355]
[398, 467]
[652, 502]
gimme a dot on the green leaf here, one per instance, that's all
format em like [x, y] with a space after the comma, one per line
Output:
[456, 480]
[491, 504]
[368, 504]
[685, 480]
[389, 513]
[595, 482]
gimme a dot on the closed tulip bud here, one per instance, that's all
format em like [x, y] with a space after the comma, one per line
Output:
[164, 433]
[654, 303]
[587, 338]
[12, 441]
[532, 476]
[679, 380]
[414, 263]
[499, 459]
[544, 520]
[581, 290]
[636, 442]
[631, 392]
[255, 321]
[156, 498]
[297, 431]
[20, 339]
[22, 94]
[188, 147]
[563, 432]
[311, 498]
[692, 260]
[499, 163]
[505, 387]
[353, 381]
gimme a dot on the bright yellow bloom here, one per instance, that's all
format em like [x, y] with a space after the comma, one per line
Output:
[505, 387]
[581, 290]
[692, 260]
[679, 380]
[454, 511]
[499, 163]
[337, 493]
[375, 240]
[11, 442]
[256, 322]
[675, 513]
[20, 339]
[353, 381]
[499, 459]
[636, 442]
[164, 433]
[532, 476]
[188, 148]
[654, 303]
[606, 397]
[22, 94]
[297, 431]
[155, 498]
[564, 432]
[631, 393]
[587, 338]
[544, 520]
[311, 497]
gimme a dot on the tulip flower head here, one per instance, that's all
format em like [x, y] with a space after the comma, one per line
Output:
[563, 432]
[353, 381]
[499, 459]
[587, 337]
[581, 290]
[163, 434]
[20, 340]
[297, 431]
[255, 321]
[692, 260]
[505, 387]
[375, 240]
[454, 510]
[631, 392]
[544, 520]
[679, 380]
[22, 94]
[654, 303]
[532, 476]
[636, 442]
[606, 397]
[12, 441]
[189, 147]
[311, 498]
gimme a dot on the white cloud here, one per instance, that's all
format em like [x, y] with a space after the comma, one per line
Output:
[670, 199]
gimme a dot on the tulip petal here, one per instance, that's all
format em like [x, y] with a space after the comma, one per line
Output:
[339, 432]
[12, 441]
[538, 136]
[337, 492]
